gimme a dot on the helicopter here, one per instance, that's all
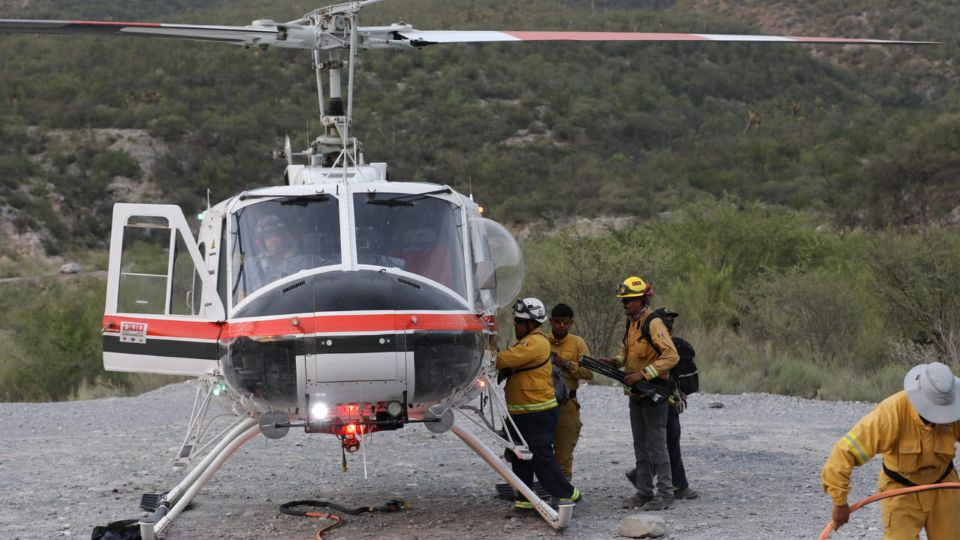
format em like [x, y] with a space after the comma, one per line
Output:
[338, 302]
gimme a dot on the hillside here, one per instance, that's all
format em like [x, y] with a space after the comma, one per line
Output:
[537, 131]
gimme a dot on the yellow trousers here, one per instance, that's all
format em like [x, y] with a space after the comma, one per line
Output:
[567, 435]
[936, 511]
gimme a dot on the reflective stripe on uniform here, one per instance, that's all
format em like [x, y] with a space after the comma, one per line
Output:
[533, 407]
[856, 448]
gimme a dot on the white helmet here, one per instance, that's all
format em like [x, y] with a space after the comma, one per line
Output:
[530, 308]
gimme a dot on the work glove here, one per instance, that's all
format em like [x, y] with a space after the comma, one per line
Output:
[678, 401]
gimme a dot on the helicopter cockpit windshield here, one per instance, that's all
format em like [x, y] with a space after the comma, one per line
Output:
[280, 237]
[416, 233]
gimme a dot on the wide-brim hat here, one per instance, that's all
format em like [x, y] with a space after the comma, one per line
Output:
[934, 392]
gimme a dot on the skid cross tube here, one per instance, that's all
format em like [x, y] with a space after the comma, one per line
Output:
[181, 495]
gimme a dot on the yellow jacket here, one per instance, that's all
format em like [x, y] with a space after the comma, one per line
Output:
[529, 391]
[916, 451]
[637, 353]
[570, 349]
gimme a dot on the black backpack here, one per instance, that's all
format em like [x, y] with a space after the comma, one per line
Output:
[684, 374]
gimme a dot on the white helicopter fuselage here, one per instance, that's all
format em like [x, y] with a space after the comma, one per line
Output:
[341, 299]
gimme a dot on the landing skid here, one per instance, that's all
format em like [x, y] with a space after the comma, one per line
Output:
[558, 519]
[492, 408]
[491, 416]
[179, 497]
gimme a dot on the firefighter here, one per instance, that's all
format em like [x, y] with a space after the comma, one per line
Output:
[648, 419]
[568, 349]
[915, 430]
[532, 403]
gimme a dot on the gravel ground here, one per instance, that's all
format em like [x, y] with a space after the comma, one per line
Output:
[756, 461]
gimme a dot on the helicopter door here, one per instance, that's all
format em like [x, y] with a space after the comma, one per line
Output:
[163, 314]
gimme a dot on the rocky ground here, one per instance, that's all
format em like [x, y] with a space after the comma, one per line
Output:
[67, 467]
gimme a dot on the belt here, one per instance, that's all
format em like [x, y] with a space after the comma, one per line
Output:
[898, 478]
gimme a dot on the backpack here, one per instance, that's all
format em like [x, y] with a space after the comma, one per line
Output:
[684, 374]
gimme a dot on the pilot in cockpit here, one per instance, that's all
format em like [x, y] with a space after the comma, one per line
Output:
[277, 254]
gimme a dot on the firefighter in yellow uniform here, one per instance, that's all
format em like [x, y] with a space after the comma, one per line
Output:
[568, 349]
[532, 402]
[648, 419]
[915, 431]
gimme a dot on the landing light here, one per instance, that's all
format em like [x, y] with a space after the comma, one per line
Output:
[219, 389]
[200, 216]
[319, 411]
[394, 408]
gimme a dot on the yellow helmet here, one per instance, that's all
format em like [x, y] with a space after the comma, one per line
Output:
[634, 287]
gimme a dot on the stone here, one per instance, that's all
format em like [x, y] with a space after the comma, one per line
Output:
[642, 526]
[71, 268]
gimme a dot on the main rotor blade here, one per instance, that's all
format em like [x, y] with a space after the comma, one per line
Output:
[251, 35]
[420, 38]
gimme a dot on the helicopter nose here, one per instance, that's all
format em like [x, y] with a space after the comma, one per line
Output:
[345, 341]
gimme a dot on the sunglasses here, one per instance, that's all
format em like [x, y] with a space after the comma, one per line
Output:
[626, 301]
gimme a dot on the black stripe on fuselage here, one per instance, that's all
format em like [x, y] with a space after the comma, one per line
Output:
[206, 350]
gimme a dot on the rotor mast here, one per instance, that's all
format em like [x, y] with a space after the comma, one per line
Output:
[337, 27]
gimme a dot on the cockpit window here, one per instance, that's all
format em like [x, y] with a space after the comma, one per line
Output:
[416, 233]
[280, 237]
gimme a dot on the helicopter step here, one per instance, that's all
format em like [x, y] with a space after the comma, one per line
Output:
[505, 492]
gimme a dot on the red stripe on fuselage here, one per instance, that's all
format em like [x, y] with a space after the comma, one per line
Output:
[343, 323]
[300, 324]
[165, 328]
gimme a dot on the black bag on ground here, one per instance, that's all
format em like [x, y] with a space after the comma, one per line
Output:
[684, 374]
[127, 529]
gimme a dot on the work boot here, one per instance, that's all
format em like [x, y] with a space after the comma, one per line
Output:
[657, 503]
[685, 493]
[636, 500]
[632, 476]
[575, 497]
[523, 506]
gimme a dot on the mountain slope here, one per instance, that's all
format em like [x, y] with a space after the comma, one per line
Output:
[534, 130]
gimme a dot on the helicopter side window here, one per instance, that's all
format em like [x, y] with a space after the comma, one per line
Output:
[281, 237]
[144, 265]
[418, 234]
